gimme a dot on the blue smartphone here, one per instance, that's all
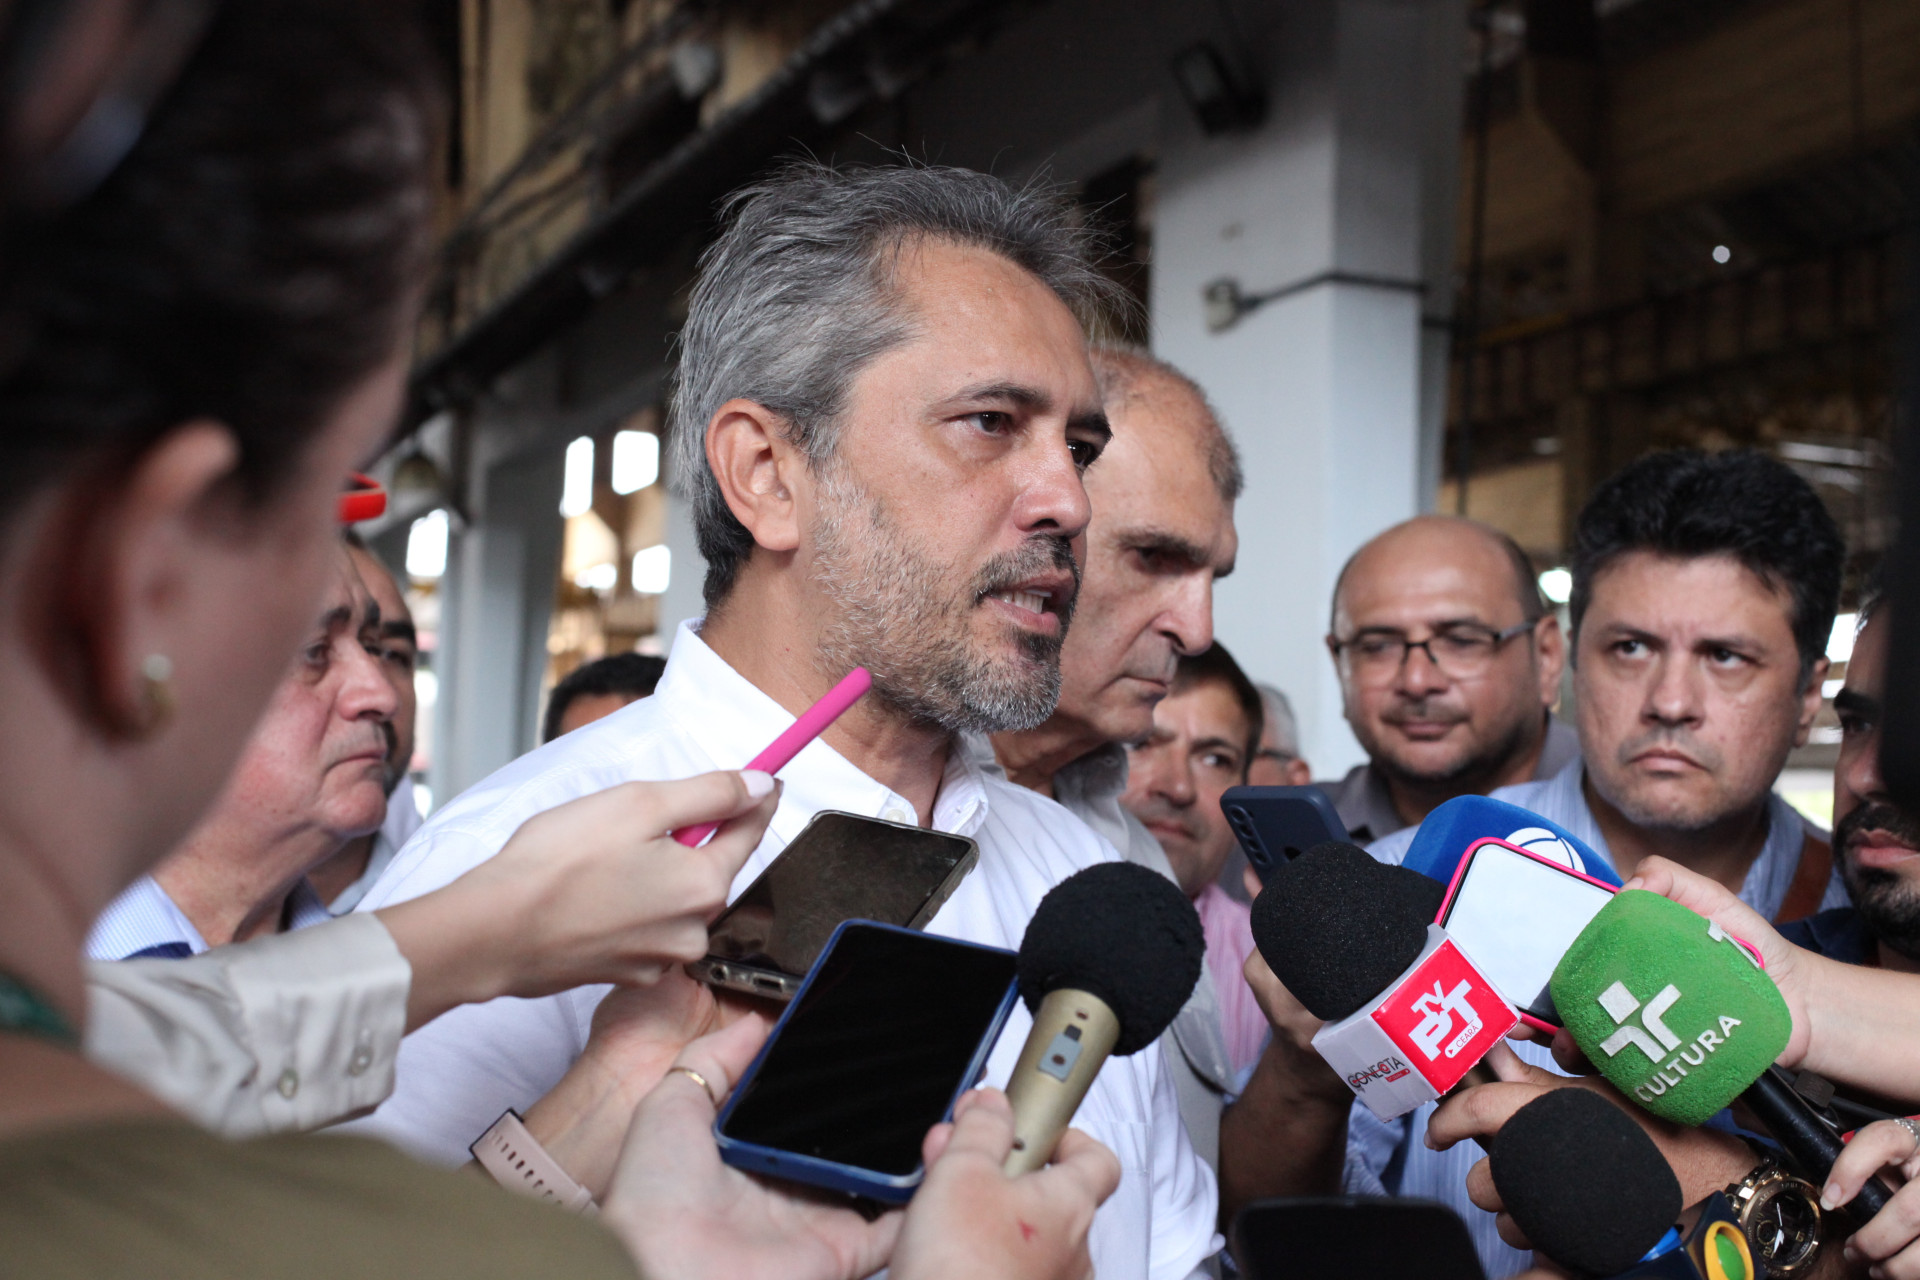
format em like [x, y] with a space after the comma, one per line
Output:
[890, 1027]
[1275, 825]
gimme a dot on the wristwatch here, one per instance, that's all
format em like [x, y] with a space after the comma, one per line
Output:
[1780, 1215]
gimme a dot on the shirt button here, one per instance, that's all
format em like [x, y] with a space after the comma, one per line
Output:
[289, 1083]
[895, 813]
[362, 1053]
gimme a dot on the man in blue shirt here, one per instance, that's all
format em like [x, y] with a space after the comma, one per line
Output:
[312, 777]
[1704, 591]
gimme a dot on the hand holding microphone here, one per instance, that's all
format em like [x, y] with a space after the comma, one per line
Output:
[1680, 1018]
[1407, 1012]
[1577, 1179]
[1109, 959]
[1892, 1239]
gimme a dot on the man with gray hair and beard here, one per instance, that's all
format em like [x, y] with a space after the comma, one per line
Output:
[882, 412]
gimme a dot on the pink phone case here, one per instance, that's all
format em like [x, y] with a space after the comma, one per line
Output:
[1460, 874]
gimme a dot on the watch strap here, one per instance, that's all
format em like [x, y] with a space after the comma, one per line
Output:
[517, 1161]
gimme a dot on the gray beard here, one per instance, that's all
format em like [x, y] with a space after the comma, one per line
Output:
[910, 631]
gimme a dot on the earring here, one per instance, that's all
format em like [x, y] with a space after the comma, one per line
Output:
[156, 677]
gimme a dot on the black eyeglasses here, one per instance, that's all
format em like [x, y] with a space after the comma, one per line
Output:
[1461, 651]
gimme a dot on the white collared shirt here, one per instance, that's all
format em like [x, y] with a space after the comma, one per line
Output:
[402, 820]
[460, 1072]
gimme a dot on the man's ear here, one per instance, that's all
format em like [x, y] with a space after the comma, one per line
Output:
[131, 571]
[756, 467]
[1810, 700]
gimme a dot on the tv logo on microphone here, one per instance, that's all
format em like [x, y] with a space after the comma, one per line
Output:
[1652, 1037]
[1445, 1016]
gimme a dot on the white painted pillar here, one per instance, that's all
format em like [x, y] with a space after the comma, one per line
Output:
[1340, 190]
[499, 589]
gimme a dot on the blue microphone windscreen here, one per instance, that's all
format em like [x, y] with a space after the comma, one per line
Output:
[1451, 830]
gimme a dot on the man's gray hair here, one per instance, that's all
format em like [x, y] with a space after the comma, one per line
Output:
[1286, 730]
[797, 296]
[1121, 368]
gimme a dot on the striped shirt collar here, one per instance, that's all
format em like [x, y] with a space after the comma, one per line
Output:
[144, 917]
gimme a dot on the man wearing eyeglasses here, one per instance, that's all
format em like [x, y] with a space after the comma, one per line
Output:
[1704, 590]
[1449, 661]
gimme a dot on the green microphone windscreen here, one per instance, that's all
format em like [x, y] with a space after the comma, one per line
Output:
[1672, 1010]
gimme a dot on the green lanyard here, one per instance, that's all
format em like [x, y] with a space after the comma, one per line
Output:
[22, 1009]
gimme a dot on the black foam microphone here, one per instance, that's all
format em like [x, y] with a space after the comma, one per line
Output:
[1336, 928]
[1108, 960]
[1584, 1182]
[1407, 1013]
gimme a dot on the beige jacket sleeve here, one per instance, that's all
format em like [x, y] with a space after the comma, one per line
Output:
[288, 1032]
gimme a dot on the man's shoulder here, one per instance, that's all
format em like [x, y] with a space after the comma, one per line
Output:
[1524, 795]
[636, 743]
[1030, 820]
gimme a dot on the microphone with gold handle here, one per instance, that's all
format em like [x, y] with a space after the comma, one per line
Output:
[1109, 959]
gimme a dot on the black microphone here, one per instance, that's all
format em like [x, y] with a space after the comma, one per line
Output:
[1407, 1013]
[1808, 1140]
[1108, 961]
[1584, 1182]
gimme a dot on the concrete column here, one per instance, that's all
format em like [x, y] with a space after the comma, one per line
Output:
[499, 587]
[1346, 192]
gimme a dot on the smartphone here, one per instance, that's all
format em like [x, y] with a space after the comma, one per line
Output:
[1354, 1238]
[1277, 824]
[887, 1032]
[840, 867]
[1515, 914]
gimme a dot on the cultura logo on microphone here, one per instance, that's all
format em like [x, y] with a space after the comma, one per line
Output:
[1652, 1037]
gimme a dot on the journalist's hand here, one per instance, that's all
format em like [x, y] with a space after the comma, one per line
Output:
[595, 890]
[1291, 1050]
[1786, 964]
[1890, 1243]
[1703, 1160]
[686, 1216]
[969, 1219]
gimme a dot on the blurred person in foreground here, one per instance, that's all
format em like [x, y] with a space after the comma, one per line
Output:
[343, 879]
[883, 410]
[1204, 732]
[1449, 664]
[177, 421]
[599, 688]
[1161, 533]
[312, 777]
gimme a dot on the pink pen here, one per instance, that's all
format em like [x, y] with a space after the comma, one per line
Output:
[812, 723]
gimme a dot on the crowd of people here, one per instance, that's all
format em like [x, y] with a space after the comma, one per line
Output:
[224, 924]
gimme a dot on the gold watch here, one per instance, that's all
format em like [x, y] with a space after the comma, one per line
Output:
[1780, 1215]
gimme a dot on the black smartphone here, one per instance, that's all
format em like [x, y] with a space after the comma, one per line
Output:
[840, 867]
[889, 1029]
[1354, 1238]
[1278, 824]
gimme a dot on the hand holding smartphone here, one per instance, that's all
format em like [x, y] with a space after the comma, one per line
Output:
[1275, 825]
[886, 1033]
[840, 867]
[1515, 914]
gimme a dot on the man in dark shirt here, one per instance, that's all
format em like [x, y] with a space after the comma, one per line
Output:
[1448, 661]
[1877, 844]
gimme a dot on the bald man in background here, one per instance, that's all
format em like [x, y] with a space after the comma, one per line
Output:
[1161, 532]
[1449, 664]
